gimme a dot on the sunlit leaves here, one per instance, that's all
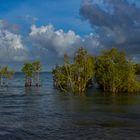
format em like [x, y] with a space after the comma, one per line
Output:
[31, 71]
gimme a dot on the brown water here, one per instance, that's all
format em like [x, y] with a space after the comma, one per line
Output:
[46, 114]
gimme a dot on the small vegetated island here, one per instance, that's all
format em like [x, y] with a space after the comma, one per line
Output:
[112, 71]
[32, 73]
[5, 75]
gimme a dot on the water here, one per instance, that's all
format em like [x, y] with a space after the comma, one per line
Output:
[47, 114]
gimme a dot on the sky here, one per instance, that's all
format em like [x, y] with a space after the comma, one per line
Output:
[46, 29]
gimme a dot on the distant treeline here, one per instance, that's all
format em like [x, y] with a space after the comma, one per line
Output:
[111, 71]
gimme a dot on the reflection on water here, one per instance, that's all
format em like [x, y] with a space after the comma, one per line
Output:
[45, 114]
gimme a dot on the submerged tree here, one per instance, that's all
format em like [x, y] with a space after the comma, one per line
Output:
[76, 76]
[32, 71]
[36, 72]
[28, 71]
[131, 84]
[5, 74]
[114, 73]
[60, 78]
[84, 70]
[111, 70]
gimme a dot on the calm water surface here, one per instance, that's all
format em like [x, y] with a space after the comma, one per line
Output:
[46, 114]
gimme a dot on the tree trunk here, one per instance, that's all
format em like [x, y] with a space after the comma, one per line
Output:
[38, 79]
[0, 80]
[69, 77]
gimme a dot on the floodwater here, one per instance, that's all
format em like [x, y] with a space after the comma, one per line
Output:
[46, 114]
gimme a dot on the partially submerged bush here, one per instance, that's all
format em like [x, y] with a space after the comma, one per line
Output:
[5, 74]
[31, 71]
[76, 76]
[115, 73]
[112, 71]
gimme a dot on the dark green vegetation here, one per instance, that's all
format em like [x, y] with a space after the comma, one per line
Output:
[32, 71]
[75, 77]
[5, 74]
[114, 73]
[137, 67]
[111, 71]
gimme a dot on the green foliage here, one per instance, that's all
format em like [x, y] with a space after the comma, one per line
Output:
[131, 84]
[114, 73]
[76, 76]
[36, 66]
[28, 69]
[137, 68]
[5, 73]
[60, 77]
[31, 71]
[84, 70]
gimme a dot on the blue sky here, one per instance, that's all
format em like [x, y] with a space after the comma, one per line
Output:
[61, 13]
[46, 29]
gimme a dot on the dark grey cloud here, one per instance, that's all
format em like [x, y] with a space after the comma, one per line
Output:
[116, 22]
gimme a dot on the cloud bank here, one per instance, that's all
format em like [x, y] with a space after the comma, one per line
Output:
[116, 22]
[57, 41]
[60, 42]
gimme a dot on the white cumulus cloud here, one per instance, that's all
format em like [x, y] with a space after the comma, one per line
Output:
[11, 47]
[59, 41]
